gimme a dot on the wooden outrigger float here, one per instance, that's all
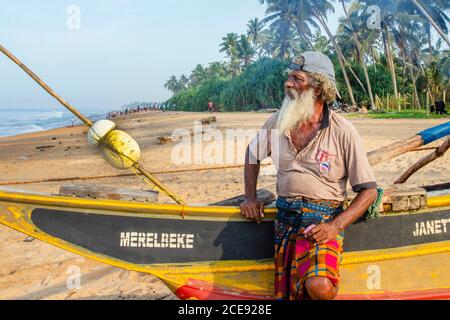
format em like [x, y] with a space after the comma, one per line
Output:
[212, 252]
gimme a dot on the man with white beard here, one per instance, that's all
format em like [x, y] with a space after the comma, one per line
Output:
[316, 152]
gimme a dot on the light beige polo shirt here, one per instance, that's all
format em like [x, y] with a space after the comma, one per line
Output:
[322, 169]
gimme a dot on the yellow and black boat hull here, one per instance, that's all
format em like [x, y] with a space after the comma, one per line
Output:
[209, 252]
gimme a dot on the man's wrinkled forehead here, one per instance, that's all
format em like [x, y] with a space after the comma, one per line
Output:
[298, 73]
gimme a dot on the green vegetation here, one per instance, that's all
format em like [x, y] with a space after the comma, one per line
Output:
[258, 86]
[391, 66]
[404, 114]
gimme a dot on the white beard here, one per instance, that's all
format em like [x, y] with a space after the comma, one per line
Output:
[296, 111]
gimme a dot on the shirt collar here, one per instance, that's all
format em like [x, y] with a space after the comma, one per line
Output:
[326, 117]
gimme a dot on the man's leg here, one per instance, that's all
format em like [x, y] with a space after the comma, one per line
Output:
[320, 288]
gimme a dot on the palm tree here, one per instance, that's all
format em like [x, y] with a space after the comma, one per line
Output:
[434, 12]
[278, 13]
[245, 51]
[320, 11]
[355, 26]
[172, 84]
[303, 15]
[216, 69]
[254, 30]
[197, 75]
[229, 45]
[283, 42]
[388, 14]
[409, 36]
[183, 82]
[320, 43]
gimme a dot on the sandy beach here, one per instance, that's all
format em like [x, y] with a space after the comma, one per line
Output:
[35, 270]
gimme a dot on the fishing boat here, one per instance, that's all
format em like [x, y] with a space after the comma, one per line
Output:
[212, 252]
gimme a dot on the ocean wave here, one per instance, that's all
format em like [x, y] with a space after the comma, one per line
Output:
[15, 130]
[14, 122]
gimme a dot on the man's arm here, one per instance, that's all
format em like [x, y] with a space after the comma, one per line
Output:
[328, 231]
[251, 208]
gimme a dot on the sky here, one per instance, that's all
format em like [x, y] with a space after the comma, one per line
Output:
[117, 52]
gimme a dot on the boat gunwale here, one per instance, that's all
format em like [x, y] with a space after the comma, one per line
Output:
[433, 203]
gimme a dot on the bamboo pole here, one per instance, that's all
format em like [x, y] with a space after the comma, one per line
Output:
[424, 161]
[137, 166]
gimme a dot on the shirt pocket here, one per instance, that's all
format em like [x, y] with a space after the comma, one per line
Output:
[328, 164]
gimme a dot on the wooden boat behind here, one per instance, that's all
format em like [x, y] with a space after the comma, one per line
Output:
[214, 253]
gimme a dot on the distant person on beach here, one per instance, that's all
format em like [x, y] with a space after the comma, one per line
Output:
[211, 107]
[440, 107]
[316, 152]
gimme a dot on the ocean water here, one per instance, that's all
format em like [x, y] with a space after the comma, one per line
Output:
[19, 121]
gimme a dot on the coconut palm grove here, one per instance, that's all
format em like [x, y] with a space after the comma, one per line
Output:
[389, 55]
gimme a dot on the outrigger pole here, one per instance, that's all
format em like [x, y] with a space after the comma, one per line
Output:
[420, 139]
[88, 123]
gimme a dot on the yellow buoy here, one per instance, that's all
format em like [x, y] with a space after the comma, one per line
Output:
[120, 149]
[99, 130]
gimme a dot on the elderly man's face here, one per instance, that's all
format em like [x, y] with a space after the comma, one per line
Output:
[297, 82]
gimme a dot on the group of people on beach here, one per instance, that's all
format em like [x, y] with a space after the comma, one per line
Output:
[157, 106]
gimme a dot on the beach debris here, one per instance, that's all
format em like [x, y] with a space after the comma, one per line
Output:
[345, 108]
[46, 281]
[164, 139]
[209, 120]
[24, 157]
[106, 192]
[54, 138]
[44, 148]
[267, 110]
[28, 239]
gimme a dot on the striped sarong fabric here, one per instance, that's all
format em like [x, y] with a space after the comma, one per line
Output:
[296, 258]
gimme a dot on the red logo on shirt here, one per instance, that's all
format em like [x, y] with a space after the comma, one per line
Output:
[323, 159]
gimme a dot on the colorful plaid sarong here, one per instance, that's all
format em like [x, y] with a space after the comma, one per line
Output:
[296, 258]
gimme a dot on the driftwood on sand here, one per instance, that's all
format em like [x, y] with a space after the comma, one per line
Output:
[169, 139]
[209, 120]
[106, 192]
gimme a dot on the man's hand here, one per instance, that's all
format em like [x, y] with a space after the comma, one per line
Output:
[253, 209]
[323, 233]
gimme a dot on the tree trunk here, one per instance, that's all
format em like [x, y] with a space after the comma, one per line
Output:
[389, 58]
[364, 67]
[427, 15]
[416, 95]
[345, 60]
[369, 86]
[430, 45]
[340, 58]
